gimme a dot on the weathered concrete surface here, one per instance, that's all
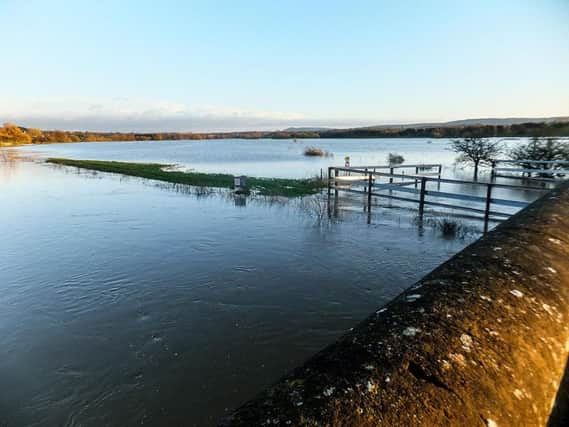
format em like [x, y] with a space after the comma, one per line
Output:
[482, 340]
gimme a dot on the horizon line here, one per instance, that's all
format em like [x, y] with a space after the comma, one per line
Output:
[315, 127]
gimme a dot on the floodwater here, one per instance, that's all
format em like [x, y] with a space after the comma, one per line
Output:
[125, 302]
[261, 157]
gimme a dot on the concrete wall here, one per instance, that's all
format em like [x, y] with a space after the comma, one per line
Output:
[482, 340]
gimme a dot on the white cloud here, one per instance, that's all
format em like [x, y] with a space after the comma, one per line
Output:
[125, 114]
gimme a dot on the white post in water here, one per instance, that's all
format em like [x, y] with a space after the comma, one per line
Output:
[240, 183]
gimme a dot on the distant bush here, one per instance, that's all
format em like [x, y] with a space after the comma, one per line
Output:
[316, 152]
[395, 159]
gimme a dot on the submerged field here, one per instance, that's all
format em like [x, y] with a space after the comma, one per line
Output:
[215, 296]
[130, 301]
[265, 186]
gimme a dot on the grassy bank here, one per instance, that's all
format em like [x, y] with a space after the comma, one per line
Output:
[265, 186]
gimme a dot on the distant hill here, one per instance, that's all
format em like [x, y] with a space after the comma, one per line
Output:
[307, 129]
[507, 121]
[472, 122]
[454, 123]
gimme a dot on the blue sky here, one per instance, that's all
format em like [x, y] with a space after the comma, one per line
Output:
[231, 65]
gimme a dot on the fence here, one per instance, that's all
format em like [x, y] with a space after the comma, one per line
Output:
[546, 170]
[366, 180]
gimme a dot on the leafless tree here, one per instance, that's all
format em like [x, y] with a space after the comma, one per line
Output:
[476, 150]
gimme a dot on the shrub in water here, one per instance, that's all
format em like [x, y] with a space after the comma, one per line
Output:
[395, 159]
[314, 151]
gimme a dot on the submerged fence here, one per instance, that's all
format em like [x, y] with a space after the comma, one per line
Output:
[533, 170]
[413, 188]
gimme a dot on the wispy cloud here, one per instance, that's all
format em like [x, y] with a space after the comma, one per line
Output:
[124, 114]
[143, 115]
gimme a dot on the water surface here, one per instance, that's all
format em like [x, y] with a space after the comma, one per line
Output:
[124, 301]
[259, 157]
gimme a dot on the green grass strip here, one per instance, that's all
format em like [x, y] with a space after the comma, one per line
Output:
[265, 186]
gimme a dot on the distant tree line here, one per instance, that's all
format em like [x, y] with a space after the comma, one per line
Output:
[542, 129]
[13, 134]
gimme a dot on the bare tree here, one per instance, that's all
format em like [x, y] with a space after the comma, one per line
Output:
[476, 150]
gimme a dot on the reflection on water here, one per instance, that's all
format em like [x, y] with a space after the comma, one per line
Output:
[8, 163]
[125, 301]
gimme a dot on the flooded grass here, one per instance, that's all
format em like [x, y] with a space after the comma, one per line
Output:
[264, 186]
[449, 227]
[316, 208]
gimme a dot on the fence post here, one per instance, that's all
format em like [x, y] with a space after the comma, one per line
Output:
[329, 182]
[416, 173]
[336, 173]
[369, 182]
[488, 203]
[422, 196]
[493, 173]
[391, 178]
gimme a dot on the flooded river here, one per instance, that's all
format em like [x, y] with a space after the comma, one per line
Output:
[124, 301]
